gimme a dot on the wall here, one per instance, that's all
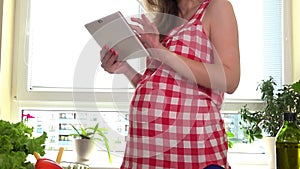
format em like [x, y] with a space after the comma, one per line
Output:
[296, 39]
[1, 16]
[6, 59]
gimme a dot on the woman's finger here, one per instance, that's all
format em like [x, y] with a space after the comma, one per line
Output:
[138, 30]
[109, 60]
[112, 59]
[104, 51]
[137, 20]
[106, 57]
[146, 21]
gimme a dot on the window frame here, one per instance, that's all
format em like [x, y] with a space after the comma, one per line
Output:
[20, 93]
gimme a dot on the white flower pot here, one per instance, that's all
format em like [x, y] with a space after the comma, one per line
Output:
[84, 148]
[271, 151]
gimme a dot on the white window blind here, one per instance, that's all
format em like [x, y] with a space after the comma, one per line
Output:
[261, 44]
[61, 50]
[58, 40]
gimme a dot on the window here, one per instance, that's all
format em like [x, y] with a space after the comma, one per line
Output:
[58, 42]
[61, 50]
[261, 44]
[57, 125]
[52, 37]
[262, 48]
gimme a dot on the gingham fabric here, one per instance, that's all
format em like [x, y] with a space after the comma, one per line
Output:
[173, 122]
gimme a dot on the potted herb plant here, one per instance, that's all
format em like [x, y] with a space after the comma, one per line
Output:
[269, 119]
[85, 138]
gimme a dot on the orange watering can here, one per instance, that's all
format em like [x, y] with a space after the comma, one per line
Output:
[45, 163]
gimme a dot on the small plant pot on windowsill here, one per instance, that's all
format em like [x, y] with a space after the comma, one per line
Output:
[271, 151]
[268, 120]
[85, 141]
[84, 148]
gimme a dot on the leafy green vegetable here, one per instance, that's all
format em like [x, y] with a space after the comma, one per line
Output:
[17, 143]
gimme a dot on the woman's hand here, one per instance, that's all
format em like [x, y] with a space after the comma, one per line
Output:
[147, 32]
[110, 63]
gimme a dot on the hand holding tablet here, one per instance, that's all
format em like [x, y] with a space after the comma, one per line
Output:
[114, 31]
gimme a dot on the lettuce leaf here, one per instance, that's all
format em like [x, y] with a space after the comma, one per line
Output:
[17, 143]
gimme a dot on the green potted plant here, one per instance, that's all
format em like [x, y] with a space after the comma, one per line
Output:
[17, 143]
[85, 138]
[268, 120]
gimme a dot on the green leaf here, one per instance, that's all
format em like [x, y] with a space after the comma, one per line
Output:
[296, 86]
[230, 134]
[32, 144]
[13, 160]
[75, 129]
[230, 144]
[83, 132]
[5, 143]
[258, 136]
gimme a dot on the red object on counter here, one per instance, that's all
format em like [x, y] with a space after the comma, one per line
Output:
[44, 163]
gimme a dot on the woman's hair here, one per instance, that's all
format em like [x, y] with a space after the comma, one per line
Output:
[162, 6]
[165, 14]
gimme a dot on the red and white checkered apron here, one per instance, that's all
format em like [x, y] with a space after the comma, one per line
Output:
[175, 123]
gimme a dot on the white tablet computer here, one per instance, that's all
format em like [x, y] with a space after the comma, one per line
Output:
[114, 31]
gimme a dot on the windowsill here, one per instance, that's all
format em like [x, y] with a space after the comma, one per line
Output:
[247, 161]
[99, 160]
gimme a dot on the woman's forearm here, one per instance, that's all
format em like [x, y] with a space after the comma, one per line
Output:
[133, 76]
